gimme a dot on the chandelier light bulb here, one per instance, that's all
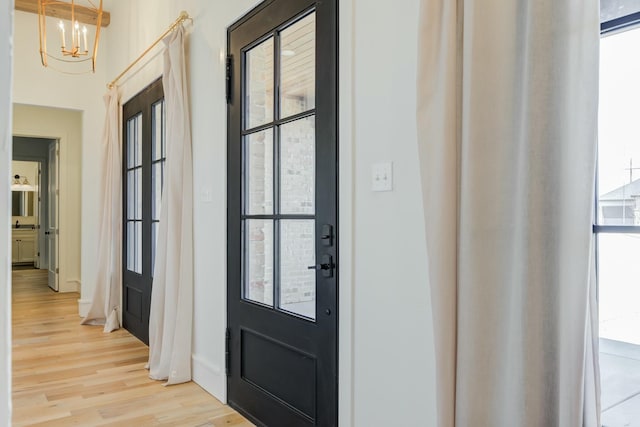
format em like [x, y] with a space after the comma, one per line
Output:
[61, 27]
[76, 33]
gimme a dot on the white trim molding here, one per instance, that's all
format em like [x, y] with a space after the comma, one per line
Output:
[210, 377]
[346, 195]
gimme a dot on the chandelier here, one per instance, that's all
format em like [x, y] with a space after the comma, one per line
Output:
[72, 31]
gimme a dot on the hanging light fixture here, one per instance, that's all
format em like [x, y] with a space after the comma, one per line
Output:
[75, 41]
[21, 183]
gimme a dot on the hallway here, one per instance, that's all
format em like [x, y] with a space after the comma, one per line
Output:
[67, 374]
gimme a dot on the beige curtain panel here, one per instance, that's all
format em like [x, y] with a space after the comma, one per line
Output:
[105, 305]
[170, 322]
[507, 116]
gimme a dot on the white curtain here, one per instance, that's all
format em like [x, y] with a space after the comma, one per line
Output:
[105, 305]
[170, 323]
[507, 117]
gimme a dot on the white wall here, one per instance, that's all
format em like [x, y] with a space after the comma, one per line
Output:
[65, 125]
[36, 85]
[6, 27]
[393, 351]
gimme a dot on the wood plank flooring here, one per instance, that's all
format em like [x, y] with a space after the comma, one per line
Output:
[65, 374]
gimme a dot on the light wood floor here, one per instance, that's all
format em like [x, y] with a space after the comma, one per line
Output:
[65, 374]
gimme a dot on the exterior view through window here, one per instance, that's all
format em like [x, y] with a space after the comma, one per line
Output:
[618, 226]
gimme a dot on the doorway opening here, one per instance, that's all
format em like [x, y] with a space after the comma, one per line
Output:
[25, 214]
[35, 192]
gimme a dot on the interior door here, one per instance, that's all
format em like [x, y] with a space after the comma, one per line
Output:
[52, 221]
[143, 166]
[37, 215]
[282, 214]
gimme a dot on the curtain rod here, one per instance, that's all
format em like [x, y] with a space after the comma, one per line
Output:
[183, 17]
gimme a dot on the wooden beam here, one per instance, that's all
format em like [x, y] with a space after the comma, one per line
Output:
[61, 11]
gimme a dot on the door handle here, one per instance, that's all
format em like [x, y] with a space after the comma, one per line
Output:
[312, 267]
[326, 266]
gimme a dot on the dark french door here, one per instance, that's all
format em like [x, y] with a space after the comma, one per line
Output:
[282, 214]
[144, 149]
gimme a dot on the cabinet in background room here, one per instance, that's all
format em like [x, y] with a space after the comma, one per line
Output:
[23, 246]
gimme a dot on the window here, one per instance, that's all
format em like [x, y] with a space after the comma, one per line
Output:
[618, 188]
[617, 219]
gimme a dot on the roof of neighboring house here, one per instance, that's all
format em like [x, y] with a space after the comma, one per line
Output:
[623, 193]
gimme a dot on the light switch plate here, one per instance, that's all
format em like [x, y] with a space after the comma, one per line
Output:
[382, 176]
[206, 195]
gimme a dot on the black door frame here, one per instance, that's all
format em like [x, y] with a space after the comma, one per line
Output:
[326, 203]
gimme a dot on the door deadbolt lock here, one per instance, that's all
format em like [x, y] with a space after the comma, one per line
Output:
[326, 266]
[327, 235]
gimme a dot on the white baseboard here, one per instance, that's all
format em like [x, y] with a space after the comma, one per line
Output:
[69, 286]
[210, 377]
[83, 307]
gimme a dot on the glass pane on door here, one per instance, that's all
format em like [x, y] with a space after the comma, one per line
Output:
[134, 246]
[134, 144]
[259, 173]
[134, 194]
[298, 76]
[157, 170]
[259, 84]
[158, 158]
[159, 131]
[259, 261]
[297, 281]
[298, 166]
